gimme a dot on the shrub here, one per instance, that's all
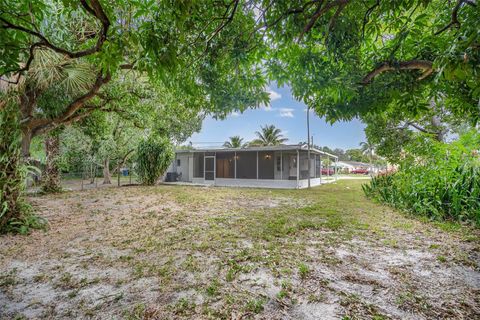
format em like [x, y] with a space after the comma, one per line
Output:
[440, 181]
[154, 155]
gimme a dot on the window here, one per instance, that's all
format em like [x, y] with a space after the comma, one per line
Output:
[198, 165]
[178, 162]
[279, 163]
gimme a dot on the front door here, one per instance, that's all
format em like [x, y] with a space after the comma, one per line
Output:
[210, 168]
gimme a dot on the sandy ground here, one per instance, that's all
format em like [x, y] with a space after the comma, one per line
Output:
[182, 252]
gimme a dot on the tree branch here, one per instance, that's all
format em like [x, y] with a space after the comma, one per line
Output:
[94, 9]
[228, 20]
[366, 18]
[321, 10]
[424, 65]
[37, 126]
[454, 22]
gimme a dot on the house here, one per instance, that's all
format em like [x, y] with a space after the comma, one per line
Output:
[283, 166]
[349, 166]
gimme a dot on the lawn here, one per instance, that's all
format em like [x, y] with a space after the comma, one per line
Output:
[196, 252]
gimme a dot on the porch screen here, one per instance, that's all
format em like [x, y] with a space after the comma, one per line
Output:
[266, 168]
[198, 166]
[246, 165]
[317, 166]
[304, 165]
[226, 165]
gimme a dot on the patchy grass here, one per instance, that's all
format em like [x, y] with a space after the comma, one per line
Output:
[209, 253]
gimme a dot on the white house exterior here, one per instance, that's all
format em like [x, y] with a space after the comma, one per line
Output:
[349, 166]
[267, 167]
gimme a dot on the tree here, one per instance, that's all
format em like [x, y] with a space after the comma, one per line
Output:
[154, 155]
[269, 136]
[368, 149]
[355, 155]
[349, 59]
[175, 44]
[234, 142]
[51, 174]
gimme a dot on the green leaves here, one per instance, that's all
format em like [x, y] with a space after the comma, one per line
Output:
[440, 181]
[154, 155]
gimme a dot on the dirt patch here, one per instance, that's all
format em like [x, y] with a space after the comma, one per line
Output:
[203, 253]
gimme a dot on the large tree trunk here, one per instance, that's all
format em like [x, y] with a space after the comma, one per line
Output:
[26, 141]
[12, 178]
[51, 175]
[106, 171]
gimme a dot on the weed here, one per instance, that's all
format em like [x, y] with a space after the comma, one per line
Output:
[255, 305]
[183, 306]
[303, 270]
[213, 289]
[8, 279]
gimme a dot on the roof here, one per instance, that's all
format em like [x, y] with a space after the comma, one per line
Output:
[283, 147]
[355, 163]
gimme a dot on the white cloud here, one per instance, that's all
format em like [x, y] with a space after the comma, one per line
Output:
[286, 112]
[235, 114]
[273, 94]
[267, 108]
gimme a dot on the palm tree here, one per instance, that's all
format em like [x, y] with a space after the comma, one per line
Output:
[235, 142]
[58, 77]
[368, 149]
[269, 136]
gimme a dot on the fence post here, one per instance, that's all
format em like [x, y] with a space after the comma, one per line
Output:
[118, 177]
[83, 173]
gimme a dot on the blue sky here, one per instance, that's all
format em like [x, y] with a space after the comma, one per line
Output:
[285, 113]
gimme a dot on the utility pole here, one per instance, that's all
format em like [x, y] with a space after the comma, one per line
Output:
[308, 144]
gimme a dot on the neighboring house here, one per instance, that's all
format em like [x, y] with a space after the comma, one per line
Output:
[349, 166]
[269, 167]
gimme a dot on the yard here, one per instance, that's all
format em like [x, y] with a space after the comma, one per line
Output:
[196, 252]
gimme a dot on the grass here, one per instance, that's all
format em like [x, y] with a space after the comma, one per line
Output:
[218, 252]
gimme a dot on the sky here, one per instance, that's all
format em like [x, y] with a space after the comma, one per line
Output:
[285, 113]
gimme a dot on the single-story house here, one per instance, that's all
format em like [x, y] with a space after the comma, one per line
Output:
[349, 166]
[283, 166]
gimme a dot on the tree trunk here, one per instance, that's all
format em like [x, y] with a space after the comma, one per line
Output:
[26, 141]
[92, 173]
[106, 171]
[12, 179]
[51, 175]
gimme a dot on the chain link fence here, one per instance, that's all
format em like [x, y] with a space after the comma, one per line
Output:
[90, 176]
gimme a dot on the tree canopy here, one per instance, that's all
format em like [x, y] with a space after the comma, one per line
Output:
[348, 59]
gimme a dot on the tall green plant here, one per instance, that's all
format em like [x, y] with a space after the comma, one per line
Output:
[15, 213]
[154, 155]
[437, 180]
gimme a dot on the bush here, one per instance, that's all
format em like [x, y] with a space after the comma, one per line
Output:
[440, 181]
[154, 155]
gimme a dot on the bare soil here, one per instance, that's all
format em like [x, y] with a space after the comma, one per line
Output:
[182, 252]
